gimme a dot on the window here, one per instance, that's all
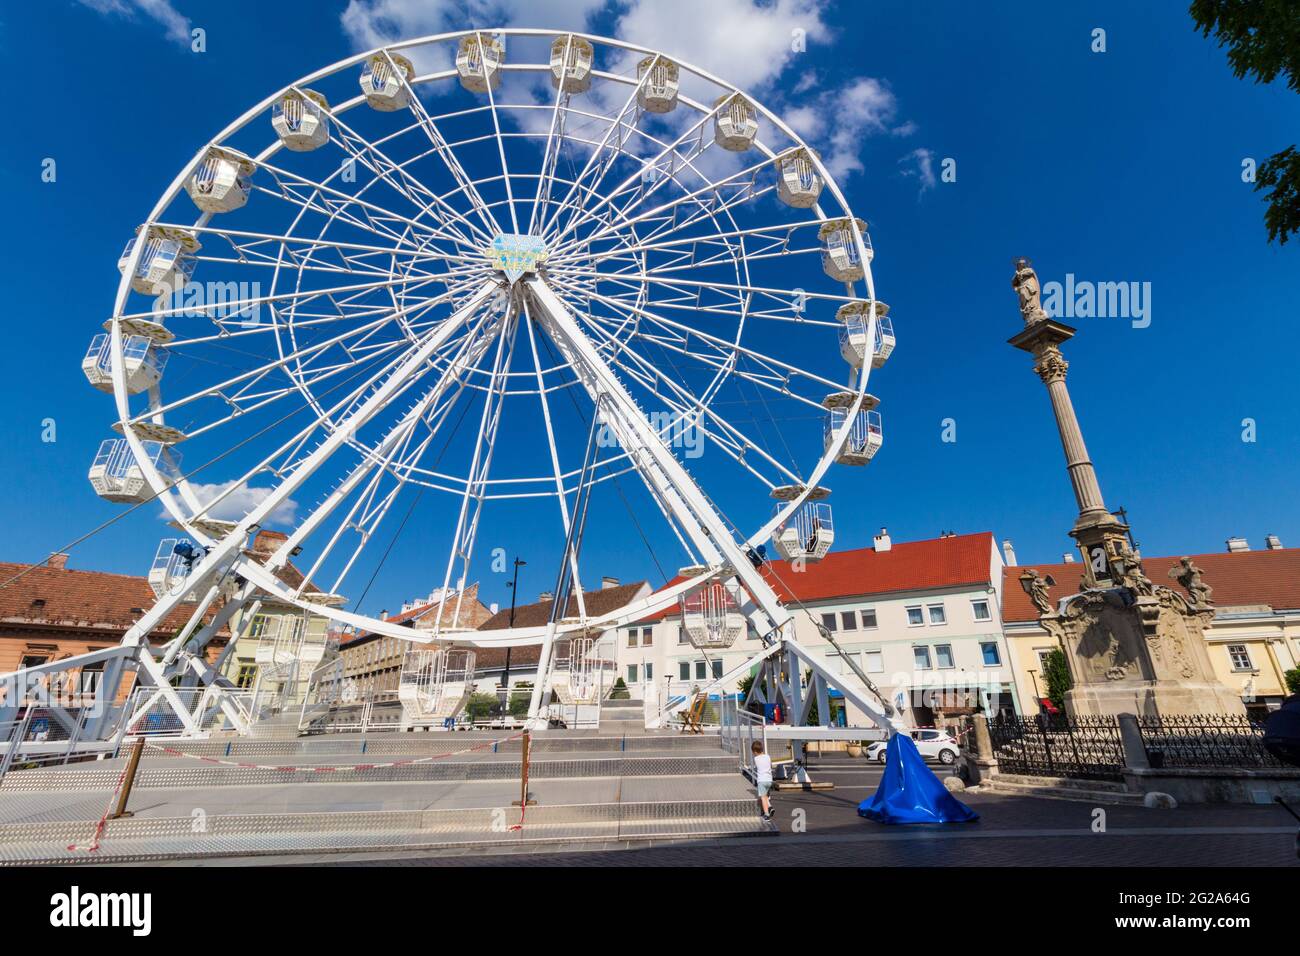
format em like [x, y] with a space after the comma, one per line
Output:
[1043, 654]
[684, 670]
[922, 657]
[246, 675]
[700, 671]
[875, 662]
[914, 617]
[717, 669]
[868, 618]
[849, 620]
[631, 638]
[681, 636]
[981, 610]
[631, 673]
[90, 676]
[828, 620]
[936, 614]
[943, 653]
[845, 667]
[1240, 657]
[647, 636]
[649, 672]
[989, 651]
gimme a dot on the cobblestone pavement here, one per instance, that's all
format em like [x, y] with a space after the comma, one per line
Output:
[823, 828]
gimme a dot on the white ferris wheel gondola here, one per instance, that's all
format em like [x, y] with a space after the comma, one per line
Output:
[571, 61]
[435, 684]
[385, 80]
[798, 184]
[166, 260]
[807, 533]
[865, 434]
[711, 617]
[143, 358]
[660, 79]
[735, 124]
[301, 120]
[479, 58]
[222, 181]
[841, 259]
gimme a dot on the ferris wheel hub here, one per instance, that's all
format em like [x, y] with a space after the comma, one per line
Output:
[516, 255]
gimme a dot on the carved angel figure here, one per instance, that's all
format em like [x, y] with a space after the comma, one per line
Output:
[1189, 576]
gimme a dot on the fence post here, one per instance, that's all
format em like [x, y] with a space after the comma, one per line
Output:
[132, 765]
[524, 800]
[1130, 737]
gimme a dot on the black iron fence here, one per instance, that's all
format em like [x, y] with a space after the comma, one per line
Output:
[1055, 745]
[1201, 741]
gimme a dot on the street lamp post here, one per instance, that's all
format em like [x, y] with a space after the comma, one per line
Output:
[505, 674]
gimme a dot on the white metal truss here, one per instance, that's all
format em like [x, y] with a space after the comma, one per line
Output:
[367, 350]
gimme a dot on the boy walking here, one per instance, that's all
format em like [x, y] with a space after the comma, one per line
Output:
[762, 778]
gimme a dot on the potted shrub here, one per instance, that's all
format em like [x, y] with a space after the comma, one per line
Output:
[854, 748]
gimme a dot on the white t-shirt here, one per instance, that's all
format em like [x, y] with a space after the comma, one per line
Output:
[762, 768]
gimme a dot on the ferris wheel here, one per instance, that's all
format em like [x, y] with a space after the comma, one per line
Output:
[493, 271]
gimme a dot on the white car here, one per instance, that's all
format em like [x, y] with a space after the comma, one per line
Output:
[930, 743]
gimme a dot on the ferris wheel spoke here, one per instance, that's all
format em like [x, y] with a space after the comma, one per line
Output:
[690, 409]
[717, 341]
[371, 157]
[708, 199]
[505, 169]
[471, 505]
[624, 129]
[698, 143]
[379, 219]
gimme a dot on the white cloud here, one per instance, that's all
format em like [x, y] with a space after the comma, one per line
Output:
[243, 500]
[919, 163]
[176, 26]
[747, 43]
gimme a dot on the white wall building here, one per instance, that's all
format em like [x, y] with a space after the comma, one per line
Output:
[923, 619]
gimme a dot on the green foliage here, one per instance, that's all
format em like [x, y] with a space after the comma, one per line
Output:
[1263, 41]
[620, 691]
[744, 684]
[1293, 680]
[479, 706]
[520, 696]
[1056, 675]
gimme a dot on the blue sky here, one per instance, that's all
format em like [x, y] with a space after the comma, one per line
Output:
[1115, 166]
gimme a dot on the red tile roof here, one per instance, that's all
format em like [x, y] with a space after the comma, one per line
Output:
[1238, 578]
[471, 609]
[956, 561]
[58, 597]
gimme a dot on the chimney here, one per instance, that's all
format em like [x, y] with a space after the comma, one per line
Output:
[1272, 542]
[494, 607]
[59, 560]
[1068, 557]
[608, 582]
[1237, 544]
[546, 596]
[882, 542]
[267, 542]
[1009, 552]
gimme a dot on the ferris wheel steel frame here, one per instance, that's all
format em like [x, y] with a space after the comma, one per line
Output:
[461, 340]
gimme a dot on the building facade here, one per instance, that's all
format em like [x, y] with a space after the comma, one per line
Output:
[922, 619]
[1253, 641]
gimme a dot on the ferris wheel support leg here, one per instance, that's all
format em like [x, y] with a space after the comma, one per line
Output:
[542, 686]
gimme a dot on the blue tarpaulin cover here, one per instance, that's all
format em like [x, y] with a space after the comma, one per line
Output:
[909, 792]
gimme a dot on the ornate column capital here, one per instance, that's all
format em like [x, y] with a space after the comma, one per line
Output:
[1051, 365]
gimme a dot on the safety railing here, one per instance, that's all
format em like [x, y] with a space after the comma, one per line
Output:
[739, 729]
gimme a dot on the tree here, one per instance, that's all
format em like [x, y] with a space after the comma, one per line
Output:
[1056, 675]
[1263, 41]
[1293, 680]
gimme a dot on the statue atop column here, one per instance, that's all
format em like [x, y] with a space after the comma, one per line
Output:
[1133, 646]
[1025, 282]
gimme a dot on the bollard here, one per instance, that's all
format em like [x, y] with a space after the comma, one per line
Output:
[132, 764]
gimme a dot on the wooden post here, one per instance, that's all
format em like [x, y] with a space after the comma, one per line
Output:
[524, 800]
[132, 764]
